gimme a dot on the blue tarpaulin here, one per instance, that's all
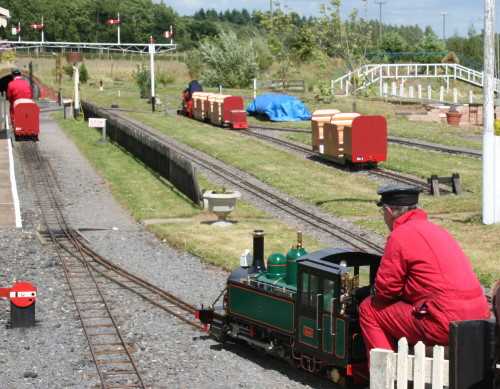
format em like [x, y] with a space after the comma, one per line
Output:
[279, 108]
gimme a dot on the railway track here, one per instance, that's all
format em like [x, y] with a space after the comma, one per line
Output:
[420, 144]
[379, 172]
[353, 239]
[88, 275]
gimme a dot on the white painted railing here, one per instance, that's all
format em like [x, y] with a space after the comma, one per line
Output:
[367, 75]
[388, 368]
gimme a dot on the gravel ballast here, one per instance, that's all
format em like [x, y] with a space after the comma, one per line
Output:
[169, 353]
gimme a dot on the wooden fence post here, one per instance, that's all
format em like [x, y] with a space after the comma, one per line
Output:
[419, 91]
[402, 373]
[419, 367]
[429, 92]
[382, 369]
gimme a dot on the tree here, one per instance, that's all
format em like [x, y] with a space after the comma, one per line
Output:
[431, 48]
[228, 61]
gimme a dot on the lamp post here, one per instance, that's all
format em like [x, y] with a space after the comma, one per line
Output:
[443, 14]
[380, 4]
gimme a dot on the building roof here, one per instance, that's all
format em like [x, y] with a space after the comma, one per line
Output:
[4, 17]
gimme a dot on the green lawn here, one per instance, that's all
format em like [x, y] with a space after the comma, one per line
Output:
[183, 225]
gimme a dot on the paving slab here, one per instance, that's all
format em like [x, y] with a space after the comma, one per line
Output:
[7, 210]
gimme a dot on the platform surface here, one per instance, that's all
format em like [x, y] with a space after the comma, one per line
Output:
[7, 207]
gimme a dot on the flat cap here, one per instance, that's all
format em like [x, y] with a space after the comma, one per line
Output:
[398, 195]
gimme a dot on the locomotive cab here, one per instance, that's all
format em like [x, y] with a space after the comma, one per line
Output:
[331, 284]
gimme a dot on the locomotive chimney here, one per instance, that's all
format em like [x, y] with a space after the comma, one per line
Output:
[258, 251]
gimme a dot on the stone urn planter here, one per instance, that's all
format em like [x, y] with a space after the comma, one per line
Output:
[453, 116]
[221, 203]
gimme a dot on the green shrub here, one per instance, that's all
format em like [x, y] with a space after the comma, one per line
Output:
[8, 56]
[84, 74]
[165, 78]
[228, 60]
[143, 81]
[194, 64]
[68, 70]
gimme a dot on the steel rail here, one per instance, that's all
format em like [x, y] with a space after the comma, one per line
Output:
[341, 233]
[380, 172]
[49, 203]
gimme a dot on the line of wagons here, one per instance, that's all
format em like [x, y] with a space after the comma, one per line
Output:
[345, 138]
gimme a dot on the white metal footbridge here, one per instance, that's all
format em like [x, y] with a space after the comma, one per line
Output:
[368, 75]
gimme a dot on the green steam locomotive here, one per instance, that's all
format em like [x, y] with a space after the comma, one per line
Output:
[300, 307]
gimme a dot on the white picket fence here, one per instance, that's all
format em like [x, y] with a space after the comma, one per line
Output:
[388, 367]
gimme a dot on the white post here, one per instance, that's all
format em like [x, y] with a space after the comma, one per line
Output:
[386, 89]
[401, 89]
[491, 143]
[382, 369]
[255, 88]
[419, 91]
[220, 89]
[43, 32]
[411, 92]
[152, 72]
[119, 35]
[441, 93]
[381, 82]
[419, 367]
[429, 92]
[447, 84]
[455, 95]
[471, 97]
[347, 87]
[76, 81]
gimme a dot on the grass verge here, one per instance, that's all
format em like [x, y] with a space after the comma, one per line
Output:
[184, 226]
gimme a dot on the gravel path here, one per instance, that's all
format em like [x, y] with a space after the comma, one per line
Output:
[169, 354]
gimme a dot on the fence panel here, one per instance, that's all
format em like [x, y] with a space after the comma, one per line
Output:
[388, 367]
[154, 154]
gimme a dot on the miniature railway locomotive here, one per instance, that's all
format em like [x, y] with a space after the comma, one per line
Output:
[349, 138]
[302, 307]
[25, 119]
[217, 109]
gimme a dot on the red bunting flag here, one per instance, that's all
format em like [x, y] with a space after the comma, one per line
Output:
[112, 22]
[37, 26]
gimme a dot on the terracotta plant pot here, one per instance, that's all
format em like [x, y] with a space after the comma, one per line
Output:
[453, 118]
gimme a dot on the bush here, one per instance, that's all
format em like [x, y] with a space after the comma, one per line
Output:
[84, 74]
[142, 79]
[8, 56]
[228, 60]
[165, 78]
[68, 70]
[194, 64]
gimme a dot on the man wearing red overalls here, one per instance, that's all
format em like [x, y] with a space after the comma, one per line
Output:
[18, 88]
[424, 282]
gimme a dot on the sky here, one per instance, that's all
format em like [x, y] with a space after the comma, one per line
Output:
[460, 14]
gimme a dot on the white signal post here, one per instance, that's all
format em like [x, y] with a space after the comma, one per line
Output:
[119, 36]
[491, 142]
[76, 79]
[152, 70]
[43, 32]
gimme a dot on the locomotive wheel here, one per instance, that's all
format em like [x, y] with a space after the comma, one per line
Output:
[336, 376]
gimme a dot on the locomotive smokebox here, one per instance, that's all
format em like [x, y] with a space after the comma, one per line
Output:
[258, 251]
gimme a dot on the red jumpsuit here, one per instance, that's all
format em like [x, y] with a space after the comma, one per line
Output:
[424, 282]
[18, 88]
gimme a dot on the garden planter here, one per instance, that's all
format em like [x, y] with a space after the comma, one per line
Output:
[221, 203]
[453, 118]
